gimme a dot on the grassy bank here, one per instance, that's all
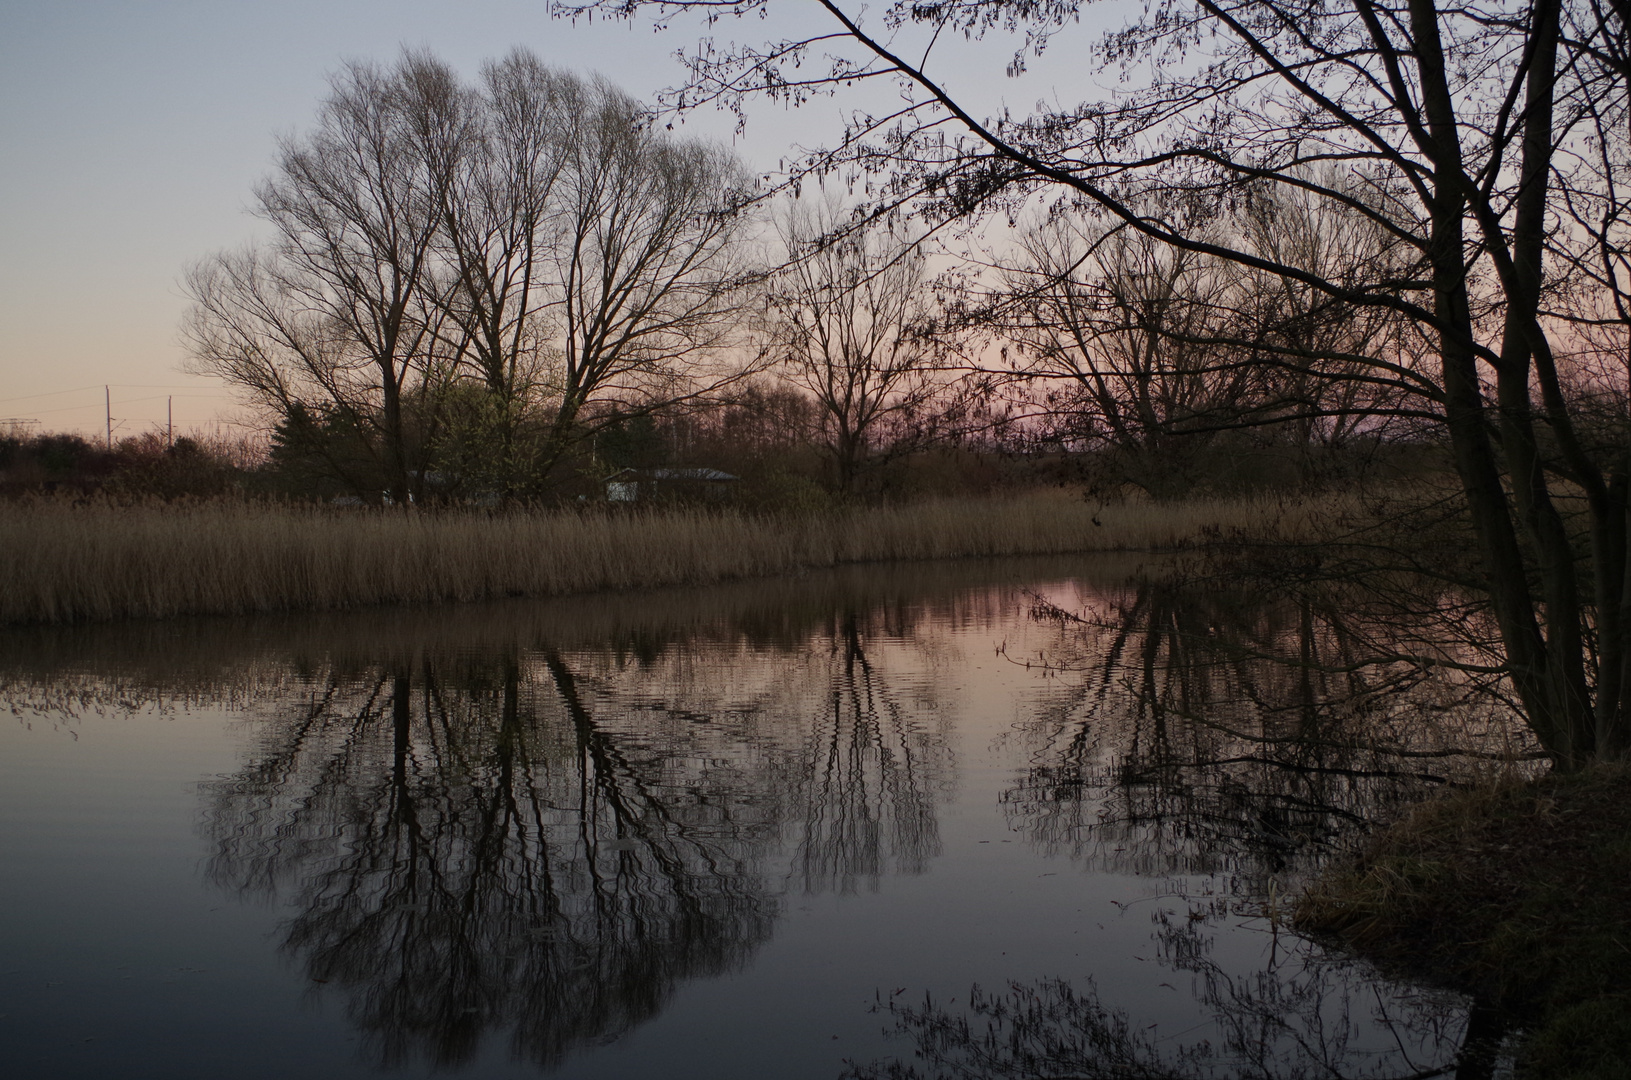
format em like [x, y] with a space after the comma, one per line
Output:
[65, 563]
[1518, 893]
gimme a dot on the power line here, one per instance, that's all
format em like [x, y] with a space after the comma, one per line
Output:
[122, 386]
[128, 401]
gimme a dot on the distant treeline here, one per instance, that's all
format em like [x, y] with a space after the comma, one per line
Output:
[140, 466]
[767, 439]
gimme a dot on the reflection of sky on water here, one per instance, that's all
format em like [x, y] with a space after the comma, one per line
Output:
[757, 831]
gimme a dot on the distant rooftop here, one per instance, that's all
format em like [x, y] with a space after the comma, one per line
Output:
[673, 474]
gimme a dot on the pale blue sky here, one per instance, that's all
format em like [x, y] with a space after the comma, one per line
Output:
[131, 135]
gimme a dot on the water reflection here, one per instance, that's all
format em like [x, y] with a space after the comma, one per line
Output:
[1298, 1019]
[867, 779]
[1196, 732]
[536, 823]
[1221, 746]
[548, 842]
[470, 850]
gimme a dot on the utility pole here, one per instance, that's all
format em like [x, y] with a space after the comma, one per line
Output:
[170, 422]
[107, 398]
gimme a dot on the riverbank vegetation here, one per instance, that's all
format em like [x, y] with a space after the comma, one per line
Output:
[68, 561]
[1515, 892]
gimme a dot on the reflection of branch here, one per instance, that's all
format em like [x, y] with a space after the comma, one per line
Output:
[1045, 1030]
[1328, 770]
[870, 780]
[1303, 742]
[502, 841]
[1287, 1023]
[1204, 747]
[1044, 609]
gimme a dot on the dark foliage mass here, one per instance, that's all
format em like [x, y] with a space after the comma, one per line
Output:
[139, 467]
[1515, 894]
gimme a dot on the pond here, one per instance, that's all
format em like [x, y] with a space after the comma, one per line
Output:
[1006, 819]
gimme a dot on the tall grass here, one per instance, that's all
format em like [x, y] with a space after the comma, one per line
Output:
[61, 562]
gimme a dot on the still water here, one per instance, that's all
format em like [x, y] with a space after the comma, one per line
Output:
[1013, 819]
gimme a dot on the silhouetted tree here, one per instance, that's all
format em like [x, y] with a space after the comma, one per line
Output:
[1473, 132]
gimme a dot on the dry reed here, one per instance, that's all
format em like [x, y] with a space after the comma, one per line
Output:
[61, 562]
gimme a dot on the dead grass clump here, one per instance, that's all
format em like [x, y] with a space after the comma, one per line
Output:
[1517, 892]
[67, 562]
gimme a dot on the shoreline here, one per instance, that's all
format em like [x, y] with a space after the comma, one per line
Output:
[1517, 893]
[65, 564]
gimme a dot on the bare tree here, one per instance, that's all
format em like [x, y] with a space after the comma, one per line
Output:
[649, 264]
[507, 254]
[849, 317]
[340, 311]
[496, 231]
[1110, 333]
[599, 263]
[1470, 126]
[1335, 371]
[1149, 353]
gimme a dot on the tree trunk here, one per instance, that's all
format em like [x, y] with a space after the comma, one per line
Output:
[1537, 679]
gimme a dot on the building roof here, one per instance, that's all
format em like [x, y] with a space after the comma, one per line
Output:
[670, 474]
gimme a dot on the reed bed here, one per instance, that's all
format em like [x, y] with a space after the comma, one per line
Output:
[61, 562]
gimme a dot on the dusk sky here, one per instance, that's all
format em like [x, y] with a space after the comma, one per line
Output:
[134, 133]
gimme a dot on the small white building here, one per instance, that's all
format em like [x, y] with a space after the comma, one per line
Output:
[646, 485]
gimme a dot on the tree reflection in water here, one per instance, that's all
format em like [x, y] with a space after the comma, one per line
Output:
[1299, 1020]
[1222, 748]
[1199, 733]
[479, 839]
[867, 778]
[549, 842]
